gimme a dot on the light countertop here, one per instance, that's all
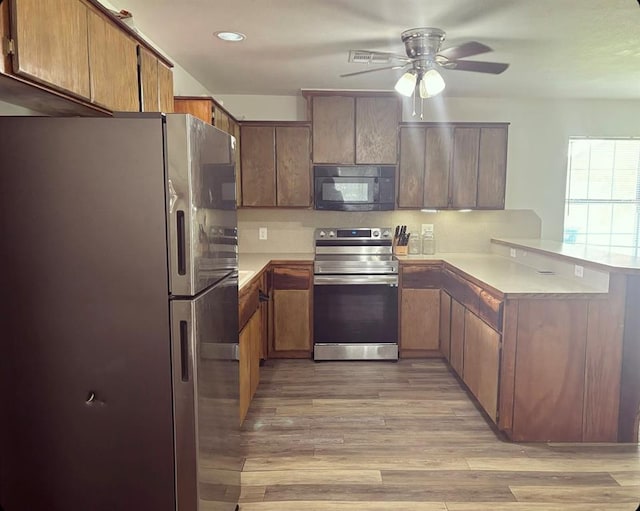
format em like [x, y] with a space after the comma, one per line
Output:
[598, 256]
[509, 277]
[500, 273]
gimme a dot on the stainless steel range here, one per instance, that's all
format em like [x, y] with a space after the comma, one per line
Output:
[355, 294]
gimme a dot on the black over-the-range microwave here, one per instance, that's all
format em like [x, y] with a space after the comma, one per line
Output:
[354, 187]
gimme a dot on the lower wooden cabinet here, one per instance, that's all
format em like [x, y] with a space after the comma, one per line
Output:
[291, 306]
[420, 322]
[445, 325]
[250, 340]
[456, 356]
[481, 368]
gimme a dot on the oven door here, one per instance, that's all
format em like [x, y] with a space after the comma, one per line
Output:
[355, 309]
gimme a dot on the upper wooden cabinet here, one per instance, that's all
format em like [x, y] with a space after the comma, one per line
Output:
[51, 45]
[156, 83]
[74, 57]
[200, 107]
[355, 129]
[114, 66]
[276, 166]
[452, 166]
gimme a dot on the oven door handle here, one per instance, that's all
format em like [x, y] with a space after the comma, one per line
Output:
[368, 280]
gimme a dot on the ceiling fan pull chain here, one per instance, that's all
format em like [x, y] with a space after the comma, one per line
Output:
[421, 108]
[414, 104]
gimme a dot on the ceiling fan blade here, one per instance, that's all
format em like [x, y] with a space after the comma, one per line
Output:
[465, 50]
[375, 57]
[373, 70]
[478, 66]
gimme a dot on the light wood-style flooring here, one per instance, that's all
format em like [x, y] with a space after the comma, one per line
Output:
[382, 436]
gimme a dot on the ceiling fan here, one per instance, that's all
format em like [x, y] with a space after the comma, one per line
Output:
[424, 57]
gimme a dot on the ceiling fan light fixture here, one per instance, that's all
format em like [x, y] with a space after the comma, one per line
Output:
[431, 84]
[406, 84]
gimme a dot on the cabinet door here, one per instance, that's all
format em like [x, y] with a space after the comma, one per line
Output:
[492, 167]
[200, 108]
[148, 81]
[456, 356]
[235, 128]
[258, 166]
[377, 130]
[113, 63]
[445, 324]
[293, 166]
[221, 119]
[464, 167]
[419, 320]
[437, 165]
[291, 311]
[482, 362]
[411, 168]
[165, 87]
[333, 129]
[52, 44]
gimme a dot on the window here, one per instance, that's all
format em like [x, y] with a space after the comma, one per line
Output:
[603, 194]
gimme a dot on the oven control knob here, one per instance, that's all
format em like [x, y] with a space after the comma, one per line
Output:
[375, 233]
[322, 234]
[386, 234]
[332, 234]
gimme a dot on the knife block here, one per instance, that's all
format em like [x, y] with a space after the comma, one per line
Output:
[400, 250]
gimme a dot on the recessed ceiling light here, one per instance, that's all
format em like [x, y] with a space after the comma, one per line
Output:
[233, 37]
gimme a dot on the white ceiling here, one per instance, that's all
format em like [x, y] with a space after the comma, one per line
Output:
[556, 48]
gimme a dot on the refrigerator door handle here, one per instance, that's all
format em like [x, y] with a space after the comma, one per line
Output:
[181, 243]
[184, 351]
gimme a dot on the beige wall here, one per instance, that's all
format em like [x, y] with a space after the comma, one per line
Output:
[538, 138]
[292, 230]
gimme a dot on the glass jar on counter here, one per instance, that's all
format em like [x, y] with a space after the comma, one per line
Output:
[415, 244]
[428, 244]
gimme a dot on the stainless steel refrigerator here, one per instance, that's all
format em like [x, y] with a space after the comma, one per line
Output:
[119, 323]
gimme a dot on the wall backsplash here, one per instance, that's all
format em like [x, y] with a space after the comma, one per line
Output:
[291, 230]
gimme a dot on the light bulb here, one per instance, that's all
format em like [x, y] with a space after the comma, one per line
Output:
[431, 84]
[407, 83]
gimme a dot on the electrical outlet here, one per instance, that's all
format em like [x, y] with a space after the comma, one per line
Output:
[427, 229]
[262, 233]
[578, 270]
[512, 252]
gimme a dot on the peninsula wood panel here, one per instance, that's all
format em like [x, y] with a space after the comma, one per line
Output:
[411, 168]
[464, 167]
[492, 168]
[293, 164]
[202, 108]
[508, 365]
[5, 33]
[482, 362]
[457, 337]
[603, 364]
[52, 44]
[549, 377]
[113, 63]
[258, 166]
[248, 301]
[437, 166]
[419, 320]
[165, 87]
[377, 130]
[445, 324]
[333, 129]
[630, 386]
[148, 81]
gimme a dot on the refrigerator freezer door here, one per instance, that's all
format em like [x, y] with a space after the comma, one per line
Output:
[206, 398]
[85, 367]
[203, 238]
